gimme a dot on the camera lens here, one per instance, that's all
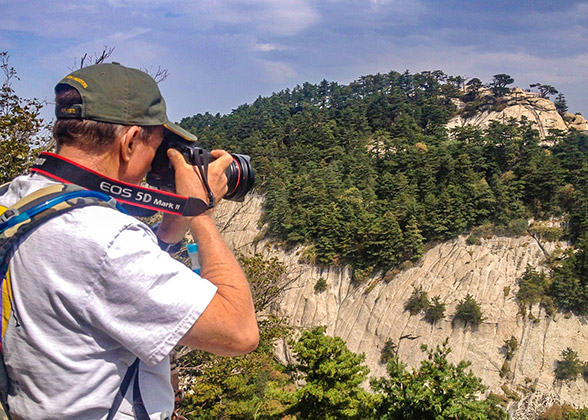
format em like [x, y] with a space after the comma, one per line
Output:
[240, 177]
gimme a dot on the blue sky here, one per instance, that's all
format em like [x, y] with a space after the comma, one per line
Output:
[221, 54]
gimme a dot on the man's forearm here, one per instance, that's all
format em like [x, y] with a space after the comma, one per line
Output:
[228, 326]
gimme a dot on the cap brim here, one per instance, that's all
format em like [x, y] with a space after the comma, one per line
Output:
[179, 131]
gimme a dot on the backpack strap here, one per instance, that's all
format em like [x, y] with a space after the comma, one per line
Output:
[20, 219]
[5, 303]
[139, 409]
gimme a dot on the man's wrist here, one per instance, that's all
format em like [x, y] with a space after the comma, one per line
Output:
[166, 247]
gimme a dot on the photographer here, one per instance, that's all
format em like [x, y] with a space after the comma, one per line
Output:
[94, 289]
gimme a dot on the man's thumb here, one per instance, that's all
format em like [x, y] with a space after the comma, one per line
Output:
[173, 154]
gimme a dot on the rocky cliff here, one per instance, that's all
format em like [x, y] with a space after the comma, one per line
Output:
[367, 315]
[517, 104]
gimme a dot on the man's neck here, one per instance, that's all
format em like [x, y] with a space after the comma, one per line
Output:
[104, 163]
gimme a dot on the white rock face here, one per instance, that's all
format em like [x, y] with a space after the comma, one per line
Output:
[576, 121]
[367, 315]
[540, 111]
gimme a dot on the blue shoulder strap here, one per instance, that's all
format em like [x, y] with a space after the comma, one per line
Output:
[40, 206]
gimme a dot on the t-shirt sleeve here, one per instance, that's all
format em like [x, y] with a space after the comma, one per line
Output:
[143, 298]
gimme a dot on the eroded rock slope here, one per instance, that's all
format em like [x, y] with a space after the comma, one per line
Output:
[367, 315]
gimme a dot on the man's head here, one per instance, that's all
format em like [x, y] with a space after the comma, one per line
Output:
[96, 104]
[115, 94]
[109, 109]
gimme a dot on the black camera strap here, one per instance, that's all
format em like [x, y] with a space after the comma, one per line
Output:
[137, 200]
[203, 169]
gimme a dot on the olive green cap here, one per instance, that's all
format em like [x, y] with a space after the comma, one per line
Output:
[117, 94]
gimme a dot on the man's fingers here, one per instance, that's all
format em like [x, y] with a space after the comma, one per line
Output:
[175, 157]
[223, 158]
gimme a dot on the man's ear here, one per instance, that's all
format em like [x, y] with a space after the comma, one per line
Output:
[128, 142]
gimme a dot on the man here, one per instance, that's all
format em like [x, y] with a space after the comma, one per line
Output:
[92, 288]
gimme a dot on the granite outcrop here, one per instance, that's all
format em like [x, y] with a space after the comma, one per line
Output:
[517, 104]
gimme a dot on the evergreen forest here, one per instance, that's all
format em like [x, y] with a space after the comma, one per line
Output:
[367, 173]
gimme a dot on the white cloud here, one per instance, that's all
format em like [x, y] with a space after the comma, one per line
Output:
[224, 41]
[267, 47]
[278, 71]
[121, 37]
[278, 17]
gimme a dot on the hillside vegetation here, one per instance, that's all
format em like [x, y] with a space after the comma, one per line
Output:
[367, 173]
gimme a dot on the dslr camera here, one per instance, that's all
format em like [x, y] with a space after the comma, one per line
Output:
[240, 175]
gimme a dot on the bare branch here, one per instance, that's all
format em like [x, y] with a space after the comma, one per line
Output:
[106, 52]
[159, 75]
[83, 59]
[88, 60]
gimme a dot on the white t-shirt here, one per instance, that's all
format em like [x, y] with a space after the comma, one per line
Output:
[92, 292]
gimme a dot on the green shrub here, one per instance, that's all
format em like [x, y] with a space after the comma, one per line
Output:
[569, 281]
[473, 240]
[470, 109]
[362, 276]
[557, 412]
[320, 285]
[498, 107]
[510, 394]
[505, 370]
[438, 389]
[406, 265]
[510, 347]
[518, 227]
[570, 367]
[388, 352]
[469, 311]
[435, 310]
[548, 304]
[533, 287]
[581, 414]
[485, 231]
[497, 399]
[417, 301]
[547, 233]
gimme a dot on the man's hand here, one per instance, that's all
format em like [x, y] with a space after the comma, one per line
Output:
[189, 183]
[188, 180]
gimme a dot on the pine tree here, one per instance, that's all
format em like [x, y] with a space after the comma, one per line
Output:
[332, 377]
[413, 247]
[469, 311]
[438, 389]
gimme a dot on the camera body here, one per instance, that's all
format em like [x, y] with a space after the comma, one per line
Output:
[240, 175]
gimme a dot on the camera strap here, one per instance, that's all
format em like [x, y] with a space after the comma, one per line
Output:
[138, 201]
[203, 169]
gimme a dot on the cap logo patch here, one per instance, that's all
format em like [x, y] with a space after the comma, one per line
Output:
[77, 79]
[69, 111]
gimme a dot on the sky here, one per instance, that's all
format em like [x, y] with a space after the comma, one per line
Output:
[222, 54]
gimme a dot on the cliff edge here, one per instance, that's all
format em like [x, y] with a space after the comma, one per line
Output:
[367, 315]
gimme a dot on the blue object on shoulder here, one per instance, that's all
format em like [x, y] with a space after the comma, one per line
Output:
[193, 253]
